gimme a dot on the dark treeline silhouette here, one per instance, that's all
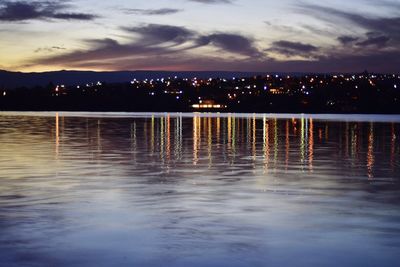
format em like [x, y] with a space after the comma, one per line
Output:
[10, 80]
[361, 93]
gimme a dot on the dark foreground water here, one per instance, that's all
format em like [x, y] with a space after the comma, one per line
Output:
[199, 190]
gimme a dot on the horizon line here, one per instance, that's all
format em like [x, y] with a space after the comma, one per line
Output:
[200, 71]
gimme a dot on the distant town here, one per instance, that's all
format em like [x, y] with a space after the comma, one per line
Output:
[346, 93]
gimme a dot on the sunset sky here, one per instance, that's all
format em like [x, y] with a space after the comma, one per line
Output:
[235, 35]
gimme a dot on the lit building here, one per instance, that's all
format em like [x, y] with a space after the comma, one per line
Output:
[208, 104]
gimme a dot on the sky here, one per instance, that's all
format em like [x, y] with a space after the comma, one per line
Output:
[185, 35]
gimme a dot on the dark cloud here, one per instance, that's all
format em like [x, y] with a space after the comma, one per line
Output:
[165, 47]
[378, 47]
[153, 42]
[151, 12]
[49, 49]
[103, 50]
[374, 39]
[154, 34]
[346, 39]
[13, 11]
[386, 26]
[213, 1]
[290, 49]
[73, 16]
[233, 43]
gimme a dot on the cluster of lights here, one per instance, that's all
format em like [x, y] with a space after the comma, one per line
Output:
[271, 84]
[208, 106]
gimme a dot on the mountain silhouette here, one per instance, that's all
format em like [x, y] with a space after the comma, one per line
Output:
[11, 80]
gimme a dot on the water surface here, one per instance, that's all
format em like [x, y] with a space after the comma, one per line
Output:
[91, 189]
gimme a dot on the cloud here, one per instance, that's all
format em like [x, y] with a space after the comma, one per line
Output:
[234, 43]
[167, 47]
[154, 34]
[283, 28]
[102, 50]
[374, 39]
[387, 26]
[49, 49]
[150, 40]
[290, 49]
[213, 1]
[73, 16]
[153, 42]
[151, 12]
[14, 11]
[374, 36]
[346, 39]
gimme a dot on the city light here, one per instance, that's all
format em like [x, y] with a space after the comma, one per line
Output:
[264, 91]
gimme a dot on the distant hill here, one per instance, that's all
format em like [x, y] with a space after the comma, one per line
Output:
[10, 80]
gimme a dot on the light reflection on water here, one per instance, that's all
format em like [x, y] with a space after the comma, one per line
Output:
[198, 190]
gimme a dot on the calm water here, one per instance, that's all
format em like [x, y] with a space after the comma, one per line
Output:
[188, 190]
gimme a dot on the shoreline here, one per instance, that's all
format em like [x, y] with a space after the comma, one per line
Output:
[112, 114]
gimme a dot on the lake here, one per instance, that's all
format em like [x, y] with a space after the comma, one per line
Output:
[126, 189]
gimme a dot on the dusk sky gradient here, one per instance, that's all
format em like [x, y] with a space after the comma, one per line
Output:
[232, 35]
